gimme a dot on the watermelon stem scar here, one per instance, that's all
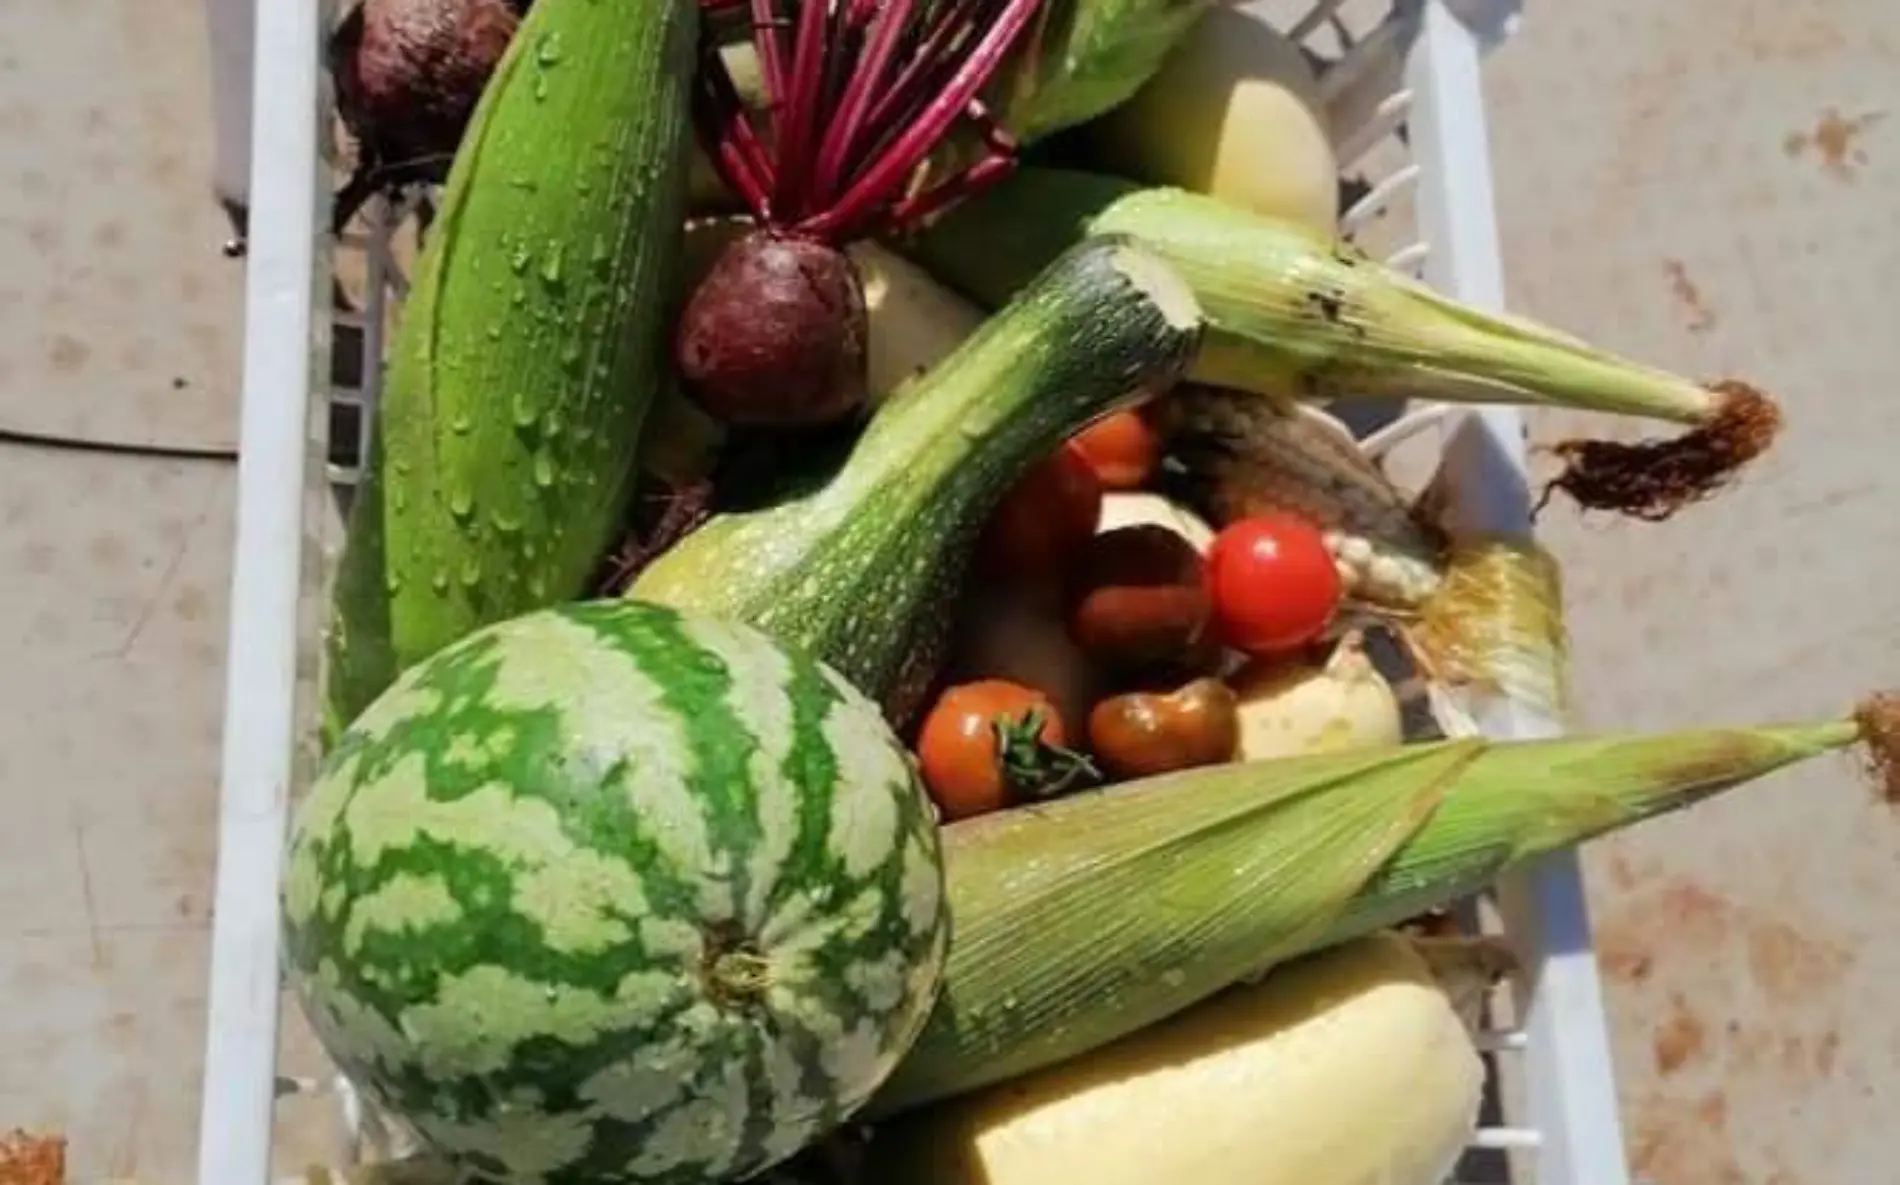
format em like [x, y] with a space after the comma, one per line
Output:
[736, 973]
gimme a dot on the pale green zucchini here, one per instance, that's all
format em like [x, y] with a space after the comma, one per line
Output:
[532, 343]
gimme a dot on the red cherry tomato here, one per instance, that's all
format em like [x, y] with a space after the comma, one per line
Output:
[1123, 448]
[1273, 582]
[1044, 521]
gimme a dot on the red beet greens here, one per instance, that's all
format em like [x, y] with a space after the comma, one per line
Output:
[858, 94]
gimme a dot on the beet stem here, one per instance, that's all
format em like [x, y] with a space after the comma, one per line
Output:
[894, 167]
[724, 124]
[800, 113]
[928, 68]
[930, 64]
[991, 170]
[834, 156]
[769, 42]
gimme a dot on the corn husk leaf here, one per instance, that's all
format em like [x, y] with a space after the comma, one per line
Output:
[1081, 58]
[1495, 630]
[1293, 313]
[1085, 919]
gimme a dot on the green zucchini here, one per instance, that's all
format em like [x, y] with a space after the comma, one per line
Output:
[859, 562]
[533, 341]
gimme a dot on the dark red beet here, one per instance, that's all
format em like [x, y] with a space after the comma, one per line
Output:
[408, 74]
[775, 334]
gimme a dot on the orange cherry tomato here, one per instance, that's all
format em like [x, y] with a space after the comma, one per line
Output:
[1040, 525]
[1122, 448]
[1274, 584]
[981, 745]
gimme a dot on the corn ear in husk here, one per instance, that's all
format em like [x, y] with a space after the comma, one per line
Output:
[1298, 315]
[1084, 919]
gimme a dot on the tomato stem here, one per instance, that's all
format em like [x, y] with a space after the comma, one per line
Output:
[1033, 768]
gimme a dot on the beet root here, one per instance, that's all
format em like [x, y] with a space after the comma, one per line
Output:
[775, 335]
[408, 74]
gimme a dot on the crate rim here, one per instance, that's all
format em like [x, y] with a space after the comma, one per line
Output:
[1571, 1090]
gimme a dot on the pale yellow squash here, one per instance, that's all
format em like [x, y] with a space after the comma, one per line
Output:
[1288, 709]
[1351, 1067]
[1235, 113]
[1133, 508]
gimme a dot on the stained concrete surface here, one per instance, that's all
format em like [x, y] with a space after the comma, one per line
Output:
[1706, 184]
[1712, 185]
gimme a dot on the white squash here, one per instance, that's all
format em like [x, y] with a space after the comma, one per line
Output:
[1235, 113]
[1351, 1067]
[1138, 507]
[1288, 709]
[915, 322]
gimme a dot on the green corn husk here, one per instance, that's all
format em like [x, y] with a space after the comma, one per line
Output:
[1299, 316]
[1080, 59]
[1086, 919]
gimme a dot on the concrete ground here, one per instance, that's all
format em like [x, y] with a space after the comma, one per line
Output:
[1707, 184]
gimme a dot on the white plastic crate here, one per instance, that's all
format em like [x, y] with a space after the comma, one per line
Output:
[1402, 87]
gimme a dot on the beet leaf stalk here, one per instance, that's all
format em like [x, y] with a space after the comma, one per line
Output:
[857, 96]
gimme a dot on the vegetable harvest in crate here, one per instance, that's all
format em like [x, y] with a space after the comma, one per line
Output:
[860, 665]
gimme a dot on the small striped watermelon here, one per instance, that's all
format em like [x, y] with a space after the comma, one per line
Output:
[615, 893]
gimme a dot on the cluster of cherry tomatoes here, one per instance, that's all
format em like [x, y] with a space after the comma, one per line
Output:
[1155, 615]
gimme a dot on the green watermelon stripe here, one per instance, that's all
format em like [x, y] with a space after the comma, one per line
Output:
[694, 684]
[810, 762]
